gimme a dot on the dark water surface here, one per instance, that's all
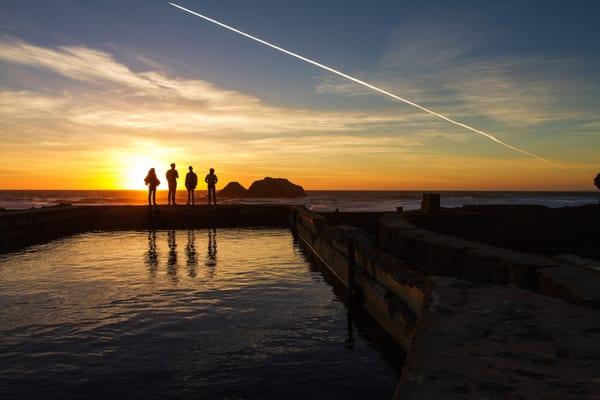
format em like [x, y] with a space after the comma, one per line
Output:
[181, 314]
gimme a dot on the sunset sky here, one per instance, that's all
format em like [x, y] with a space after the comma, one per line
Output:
[93, 94]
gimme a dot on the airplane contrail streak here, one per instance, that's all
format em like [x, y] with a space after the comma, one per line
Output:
[372, 87]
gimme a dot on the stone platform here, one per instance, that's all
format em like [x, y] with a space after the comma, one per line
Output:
[476, 341]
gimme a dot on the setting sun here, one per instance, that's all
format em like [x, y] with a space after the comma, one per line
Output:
[136, 169]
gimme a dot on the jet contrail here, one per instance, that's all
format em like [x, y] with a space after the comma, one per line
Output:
[366, 84]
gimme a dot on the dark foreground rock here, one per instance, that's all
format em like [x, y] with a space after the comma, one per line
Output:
[233, 190]
[275, 187]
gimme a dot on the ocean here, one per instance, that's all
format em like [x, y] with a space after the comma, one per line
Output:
[202, 314]
[316, 200]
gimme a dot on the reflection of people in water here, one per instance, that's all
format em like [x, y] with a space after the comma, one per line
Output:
[211, 254]
[172, 260]
[152, 254]
[190, 252]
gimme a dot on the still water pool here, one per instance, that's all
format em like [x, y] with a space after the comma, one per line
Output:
[225, 313]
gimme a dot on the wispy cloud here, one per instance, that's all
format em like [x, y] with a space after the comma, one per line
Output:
[28, 105]
[448, 72]
[152, 100]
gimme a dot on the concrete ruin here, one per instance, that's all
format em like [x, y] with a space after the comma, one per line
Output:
[478, 316]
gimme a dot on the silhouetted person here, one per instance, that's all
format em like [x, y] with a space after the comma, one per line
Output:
[152, 182]
[191, 181]
[597, 181]
[211, 180]
[172, 176]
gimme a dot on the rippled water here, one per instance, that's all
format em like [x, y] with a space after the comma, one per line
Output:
[181, 314]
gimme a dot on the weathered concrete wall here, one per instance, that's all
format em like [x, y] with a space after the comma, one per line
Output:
[528, 228]
[19, 229]
[367, 221]
[468, 338]
[464, 339]
[183, 217]
[432, 253]
[477, 341]
[390, 291]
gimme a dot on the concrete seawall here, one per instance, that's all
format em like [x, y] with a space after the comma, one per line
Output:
[433, 253]
[19, 229]
[496, 333]
[387, 289]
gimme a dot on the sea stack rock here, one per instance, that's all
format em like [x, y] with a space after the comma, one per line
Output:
[275, 187]
[233, 190]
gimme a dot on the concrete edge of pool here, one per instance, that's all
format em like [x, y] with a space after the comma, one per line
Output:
[475, 319]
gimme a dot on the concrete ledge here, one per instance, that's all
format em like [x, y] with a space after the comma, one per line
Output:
[433, 253]
[578, 285]
[478, 341]
[19, 229]
[390, 291]
[392, 274]
[486, 263]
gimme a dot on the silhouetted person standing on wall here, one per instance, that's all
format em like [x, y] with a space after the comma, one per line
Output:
[211, 179]
[172, 176]
[152, 182]
[191, 181]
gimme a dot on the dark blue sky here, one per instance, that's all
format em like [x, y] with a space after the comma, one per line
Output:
[353, 36]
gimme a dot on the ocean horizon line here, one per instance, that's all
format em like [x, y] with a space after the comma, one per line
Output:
[331, 190]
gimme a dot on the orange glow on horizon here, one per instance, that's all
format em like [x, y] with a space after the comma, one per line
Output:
[124, 172]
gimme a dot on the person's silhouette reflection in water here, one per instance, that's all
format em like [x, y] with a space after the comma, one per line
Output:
[350, 338]
[152, 254]
[172, 259]
[211, 255]
[172, 176]
[190, 252]
[152, 182]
